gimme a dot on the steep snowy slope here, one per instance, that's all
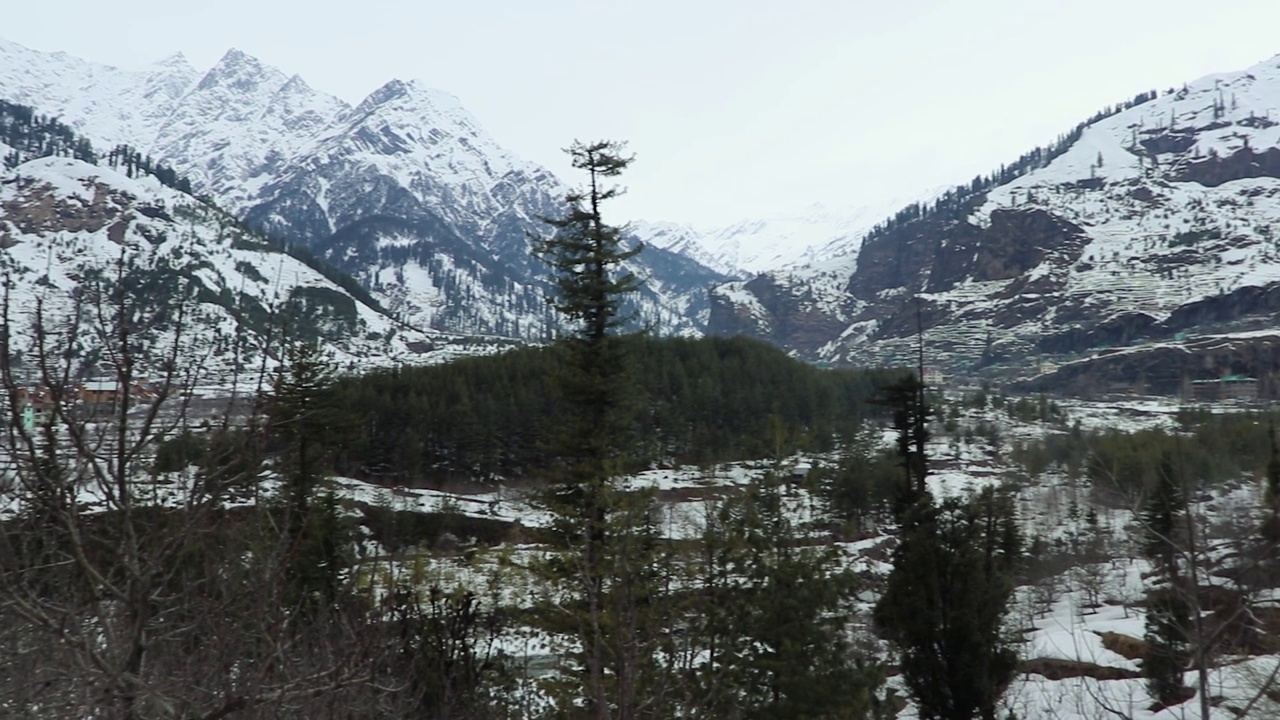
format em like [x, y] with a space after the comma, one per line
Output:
[74, 234]
[405, 190]
[1147, 222]
[126, 106]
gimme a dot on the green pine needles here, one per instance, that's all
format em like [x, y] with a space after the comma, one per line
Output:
[584, 253]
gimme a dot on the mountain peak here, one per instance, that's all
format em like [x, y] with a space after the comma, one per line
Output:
[234, 56]
[172, 62]
[241, 72]
[295, 85]
[415, 92]
[389, 91]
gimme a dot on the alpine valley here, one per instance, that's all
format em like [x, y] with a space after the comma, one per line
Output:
[1136, 251]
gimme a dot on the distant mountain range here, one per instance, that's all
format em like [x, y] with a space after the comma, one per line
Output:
[404, 191]
[814, 234]
[1149, 222]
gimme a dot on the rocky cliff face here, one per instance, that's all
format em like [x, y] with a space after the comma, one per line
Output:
[1145, 224]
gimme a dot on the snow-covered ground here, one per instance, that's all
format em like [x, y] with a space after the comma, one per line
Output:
[1053, 615]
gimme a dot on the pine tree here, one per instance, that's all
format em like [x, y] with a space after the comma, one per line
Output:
[307, 425]
[910, 419]
[1270, 529]
[1162, 522]
[1168, 650]
[584, 252]
[775, 621]
[948, 594]
[607, 559]
[1168, 623]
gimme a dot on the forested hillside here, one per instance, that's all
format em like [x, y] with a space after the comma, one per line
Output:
[702, 401]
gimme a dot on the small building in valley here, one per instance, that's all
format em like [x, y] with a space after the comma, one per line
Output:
[933, 377]
[1226, 388]
[100, 392]
[33, 405]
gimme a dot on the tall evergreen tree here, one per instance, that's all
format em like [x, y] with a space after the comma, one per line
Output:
[307, 426]
[1270, 529]
[948, 594]
[911, 414]
[1168, 620]
[607, 544]
[584, 252]
[1168, 649]
[1162, 522]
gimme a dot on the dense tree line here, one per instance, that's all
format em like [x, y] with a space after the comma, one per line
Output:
[700, 401]
[32, 135]
[1213, 448]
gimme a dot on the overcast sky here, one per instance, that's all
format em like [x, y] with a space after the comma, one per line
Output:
[735, 109]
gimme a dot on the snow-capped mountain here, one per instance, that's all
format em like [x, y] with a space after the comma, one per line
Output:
[405, 190]
[810, 235]
[75, 233]
[1150, 221]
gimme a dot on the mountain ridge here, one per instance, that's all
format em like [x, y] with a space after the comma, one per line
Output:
[1110, 236]
[303, 167]
[77, 223]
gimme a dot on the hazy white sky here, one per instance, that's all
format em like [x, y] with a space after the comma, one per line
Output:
[734, 108]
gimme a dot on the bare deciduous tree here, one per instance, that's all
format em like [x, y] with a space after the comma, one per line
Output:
[131, 592]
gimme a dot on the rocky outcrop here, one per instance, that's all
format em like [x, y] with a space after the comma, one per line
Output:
[1015, 241]
[781, 314]
[1244, 163]
[1118, 331]
[1258, 304]
[1167, 368]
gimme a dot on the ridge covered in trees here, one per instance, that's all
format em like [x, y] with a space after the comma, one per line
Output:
[959, 200]
[702, 401]
[31, 135]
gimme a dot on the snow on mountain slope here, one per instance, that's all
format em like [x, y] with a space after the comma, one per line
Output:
[1148, 222]
[238, 123]
[109, 105]
[75, 232]
[422, 143]
[223, 128]
[808, 236]
[408, 163]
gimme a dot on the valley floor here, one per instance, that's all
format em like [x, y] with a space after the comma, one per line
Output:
[1079, 614]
